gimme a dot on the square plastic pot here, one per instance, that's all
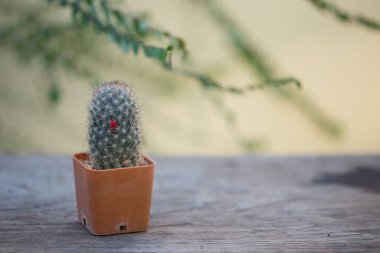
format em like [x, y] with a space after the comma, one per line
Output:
[114, 201]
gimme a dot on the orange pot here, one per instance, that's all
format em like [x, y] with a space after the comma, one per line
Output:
[114, 201]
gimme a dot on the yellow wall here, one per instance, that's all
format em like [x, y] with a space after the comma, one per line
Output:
[338, 64]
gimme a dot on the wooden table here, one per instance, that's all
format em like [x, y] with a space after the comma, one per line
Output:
[208, 204]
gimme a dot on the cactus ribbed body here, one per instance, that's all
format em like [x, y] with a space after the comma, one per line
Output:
[114, 134]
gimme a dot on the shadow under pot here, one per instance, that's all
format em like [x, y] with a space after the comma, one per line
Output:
[114, 201]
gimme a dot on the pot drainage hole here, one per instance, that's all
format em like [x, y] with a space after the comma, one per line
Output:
[123, 228]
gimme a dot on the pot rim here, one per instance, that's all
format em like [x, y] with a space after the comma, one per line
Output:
[81, 156]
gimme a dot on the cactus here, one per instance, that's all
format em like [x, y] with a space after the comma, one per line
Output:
[114, 134]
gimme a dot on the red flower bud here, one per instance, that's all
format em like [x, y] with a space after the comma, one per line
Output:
[113, 124]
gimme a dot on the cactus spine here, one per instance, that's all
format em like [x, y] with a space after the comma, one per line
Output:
[114, 134]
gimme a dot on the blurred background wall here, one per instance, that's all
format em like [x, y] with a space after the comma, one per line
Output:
[337, 63]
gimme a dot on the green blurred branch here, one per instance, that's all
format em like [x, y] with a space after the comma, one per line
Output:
[344, 16]
[86, 13]
[209, 83]
[256, 63]
[59, 44]
[135, 35]
[51, 44]
[31, 38]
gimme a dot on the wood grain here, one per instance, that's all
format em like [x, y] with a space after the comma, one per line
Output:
[209, 204]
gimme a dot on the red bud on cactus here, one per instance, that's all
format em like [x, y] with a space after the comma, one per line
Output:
[113, 124]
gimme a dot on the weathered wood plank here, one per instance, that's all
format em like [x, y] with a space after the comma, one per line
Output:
[235, 204]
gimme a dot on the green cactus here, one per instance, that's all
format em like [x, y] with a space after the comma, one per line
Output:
[114, 134]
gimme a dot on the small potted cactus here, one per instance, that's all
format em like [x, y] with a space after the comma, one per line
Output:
[113, 181]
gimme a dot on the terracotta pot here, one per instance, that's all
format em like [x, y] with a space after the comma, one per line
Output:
[114, 201]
